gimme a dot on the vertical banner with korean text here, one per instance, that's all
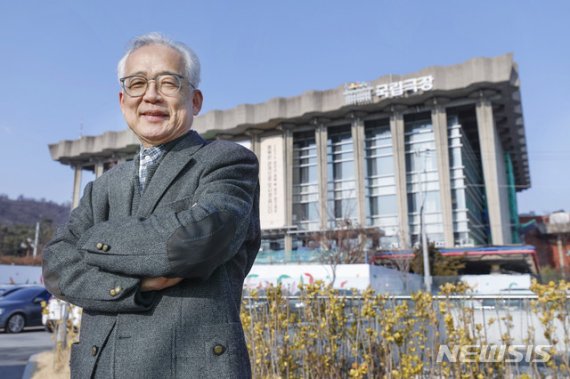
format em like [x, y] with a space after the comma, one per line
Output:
[272, 182]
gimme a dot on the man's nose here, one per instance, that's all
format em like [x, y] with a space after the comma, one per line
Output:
[151, 94]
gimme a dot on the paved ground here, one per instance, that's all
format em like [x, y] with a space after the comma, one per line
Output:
[15, 349]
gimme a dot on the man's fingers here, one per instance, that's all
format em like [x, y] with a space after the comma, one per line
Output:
[158, 283]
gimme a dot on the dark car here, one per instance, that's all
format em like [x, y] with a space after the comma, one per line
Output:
[22, 308]
[6, 289]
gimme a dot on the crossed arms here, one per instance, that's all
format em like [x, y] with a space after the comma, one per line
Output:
[150, 253]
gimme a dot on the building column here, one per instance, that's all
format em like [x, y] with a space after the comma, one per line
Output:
[359, 147]
[76, 186]
[224, 137]
[321, 144]
[399, 147]
[255, 141]
[491, 159]
[439, 122]
[99, 169]
[288, 183]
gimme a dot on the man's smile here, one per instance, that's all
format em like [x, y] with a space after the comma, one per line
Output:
[155, 115]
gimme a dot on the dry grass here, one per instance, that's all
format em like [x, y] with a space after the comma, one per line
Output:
[379, 336]
[49, 368]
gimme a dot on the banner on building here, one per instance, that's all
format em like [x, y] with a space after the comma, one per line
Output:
[271, 181]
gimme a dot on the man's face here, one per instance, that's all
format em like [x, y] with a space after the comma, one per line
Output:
[153, 117]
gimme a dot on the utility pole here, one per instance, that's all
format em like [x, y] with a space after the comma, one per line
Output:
[36, 239]
[425, 253]
[425, 250]
[560, 224]
[560, 253]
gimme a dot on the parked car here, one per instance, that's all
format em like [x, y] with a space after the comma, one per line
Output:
[54, 313]
[5, 289]
[22, 308]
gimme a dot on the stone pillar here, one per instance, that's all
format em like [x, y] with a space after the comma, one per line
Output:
[99, 169]
[359, 147]
[492, 160]
[439, 122]
[399, 147]
[76, 186]
[224, 137]
[321, 144]
[288, 183]
[255, 141]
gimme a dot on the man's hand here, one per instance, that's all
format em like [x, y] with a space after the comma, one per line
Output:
[158, 283]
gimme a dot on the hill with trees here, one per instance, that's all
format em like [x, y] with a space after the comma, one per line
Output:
[24, 211]
[18, 218]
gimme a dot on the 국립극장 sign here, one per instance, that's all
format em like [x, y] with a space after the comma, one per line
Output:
[362, 92]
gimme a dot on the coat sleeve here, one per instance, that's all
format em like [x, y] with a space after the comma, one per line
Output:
[69, 277]
[192, 241]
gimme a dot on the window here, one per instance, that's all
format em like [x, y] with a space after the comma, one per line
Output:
[422, 178]
[380, 182]
[305, 182]
[341, 183]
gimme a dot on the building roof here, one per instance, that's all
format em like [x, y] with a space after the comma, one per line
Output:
[521, 253]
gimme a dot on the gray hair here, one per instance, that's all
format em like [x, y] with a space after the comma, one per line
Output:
[191, 61]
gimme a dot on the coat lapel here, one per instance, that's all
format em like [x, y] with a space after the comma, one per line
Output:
[172, 163]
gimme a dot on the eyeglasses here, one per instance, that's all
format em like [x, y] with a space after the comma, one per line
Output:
[166, 84]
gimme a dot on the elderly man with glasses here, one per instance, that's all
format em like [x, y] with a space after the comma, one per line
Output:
[157, 250]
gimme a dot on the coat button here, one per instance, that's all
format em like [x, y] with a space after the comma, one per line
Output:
[99, 246]
[106, 248]
[94, 350]
[219, 349]
[113, 292]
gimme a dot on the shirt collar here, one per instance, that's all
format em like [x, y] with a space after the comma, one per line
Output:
[154, 153]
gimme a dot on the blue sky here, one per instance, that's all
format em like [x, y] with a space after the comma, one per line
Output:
[58, 62]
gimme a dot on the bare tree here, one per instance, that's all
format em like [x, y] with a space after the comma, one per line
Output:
[345, 244]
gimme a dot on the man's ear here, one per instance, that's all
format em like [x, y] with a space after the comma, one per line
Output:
[197, 100]
[121, 100]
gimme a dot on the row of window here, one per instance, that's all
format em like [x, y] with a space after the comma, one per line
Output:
[381, 206]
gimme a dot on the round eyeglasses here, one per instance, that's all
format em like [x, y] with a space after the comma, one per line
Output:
[166, 84]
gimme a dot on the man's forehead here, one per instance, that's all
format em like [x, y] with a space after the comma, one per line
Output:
[154, 58]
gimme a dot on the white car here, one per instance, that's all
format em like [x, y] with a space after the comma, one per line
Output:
[53, 312]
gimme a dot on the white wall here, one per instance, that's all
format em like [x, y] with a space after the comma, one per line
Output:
[348, 276]
[12, 274]
[497, 284]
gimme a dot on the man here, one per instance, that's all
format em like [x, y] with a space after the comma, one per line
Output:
[158, 248]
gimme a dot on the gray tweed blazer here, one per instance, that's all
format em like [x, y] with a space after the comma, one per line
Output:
[198, 218]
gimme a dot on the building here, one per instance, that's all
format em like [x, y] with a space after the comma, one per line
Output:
[550, 235]
[444, 143]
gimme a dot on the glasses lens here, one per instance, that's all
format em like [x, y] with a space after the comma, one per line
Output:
[168, 84]
[136, 85]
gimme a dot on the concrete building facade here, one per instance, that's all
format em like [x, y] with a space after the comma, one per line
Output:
[443, 147]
